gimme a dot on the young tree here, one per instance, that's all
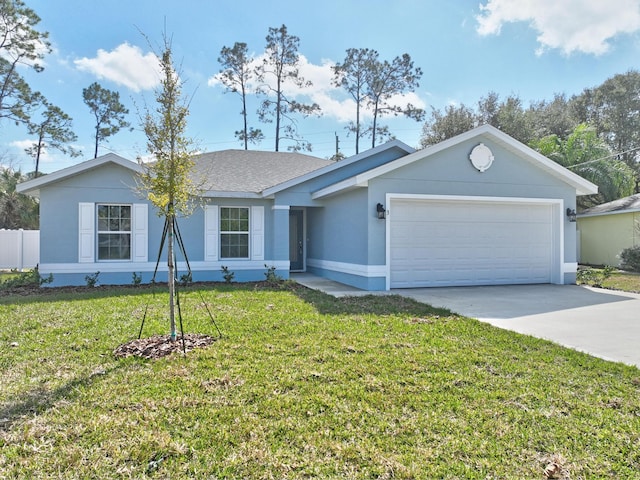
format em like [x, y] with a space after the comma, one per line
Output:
[107, 110]
[166, 180]
[53, 132]
[279, 68]
[385, 80]
[235, 75]
[351, 75]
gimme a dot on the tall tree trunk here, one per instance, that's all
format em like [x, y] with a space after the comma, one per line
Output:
[95, 155]
[357, 126]
[244, 116]
[171, 279]
[278, 105]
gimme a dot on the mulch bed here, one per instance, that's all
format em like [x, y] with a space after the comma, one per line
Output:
[159, 346]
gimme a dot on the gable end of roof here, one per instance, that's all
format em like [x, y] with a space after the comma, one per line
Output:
[33, 186]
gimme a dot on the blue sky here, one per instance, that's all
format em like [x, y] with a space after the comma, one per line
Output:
[466, 48]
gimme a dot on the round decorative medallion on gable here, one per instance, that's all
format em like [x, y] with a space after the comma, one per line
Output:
[481, 157]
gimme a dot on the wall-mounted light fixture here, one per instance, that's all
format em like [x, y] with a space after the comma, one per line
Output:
[571, 215]
[381, 211]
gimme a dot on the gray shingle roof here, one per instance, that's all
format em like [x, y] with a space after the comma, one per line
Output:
[251, 171]
[619, 205]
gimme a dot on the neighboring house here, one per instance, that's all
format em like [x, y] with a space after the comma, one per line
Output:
[605, 230]
[477, 209]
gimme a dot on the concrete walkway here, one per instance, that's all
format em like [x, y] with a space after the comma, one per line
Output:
[600, 322]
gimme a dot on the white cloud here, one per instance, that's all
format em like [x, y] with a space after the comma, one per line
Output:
[125, 65]
[334, 102]
[585, 26]
[24, 144]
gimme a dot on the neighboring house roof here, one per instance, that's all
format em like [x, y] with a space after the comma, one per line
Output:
[32, 187]
[582, 186]
[621, 205]
[241, 172]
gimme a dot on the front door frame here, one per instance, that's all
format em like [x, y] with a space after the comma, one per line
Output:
[299, 216]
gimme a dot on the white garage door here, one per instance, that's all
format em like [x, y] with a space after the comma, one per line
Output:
[448, 243]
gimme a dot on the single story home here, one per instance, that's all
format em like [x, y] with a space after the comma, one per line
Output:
[477, 209]
[605, 230]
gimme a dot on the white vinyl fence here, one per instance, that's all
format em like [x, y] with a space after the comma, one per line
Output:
[19, 249]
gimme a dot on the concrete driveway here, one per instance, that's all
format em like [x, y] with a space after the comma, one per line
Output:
[600, 322]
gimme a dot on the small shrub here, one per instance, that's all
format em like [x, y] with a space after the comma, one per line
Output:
[186, 279]
[227, 275]
[630, 258]
[30, 278]
[594, 277]
[137, 279]
[271, 277]
[92, 279]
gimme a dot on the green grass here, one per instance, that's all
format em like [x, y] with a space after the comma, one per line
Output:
[619, 280]
[301, 385]
[7, 275]
[626, 281]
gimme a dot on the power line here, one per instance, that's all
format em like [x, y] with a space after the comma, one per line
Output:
[603, 158]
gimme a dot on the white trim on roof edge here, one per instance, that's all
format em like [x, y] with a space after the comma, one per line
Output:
[582, 186]
[221, 194]
[339, 164]
[34, 185]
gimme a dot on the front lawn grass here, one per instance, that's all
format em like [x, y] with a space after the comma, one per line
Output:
[614, 279]
[622, 280]
[302, 385]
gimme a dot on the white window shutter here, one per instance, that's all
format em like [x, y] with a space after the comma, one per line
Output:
[211, 230]
[140, 232]
[257, 233]
[86, 232]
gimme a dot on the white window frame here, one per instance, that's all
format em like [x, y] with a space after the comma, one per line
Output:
[212, 233]
[246, 232]
[88, 234]
[114, 232]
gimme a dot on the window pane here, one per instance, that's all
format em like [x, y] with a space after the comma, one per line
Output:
[234, 242]
[114, 227]
[114, 246]
[234, 219]
[234, 245]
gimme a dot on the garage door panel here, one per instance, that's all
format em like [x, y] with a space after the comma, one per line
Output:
[440, 243]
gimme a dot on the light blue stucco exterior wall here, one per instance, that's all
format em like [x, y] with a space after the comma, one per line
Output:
[450, 172]
[112, 183]
[344, 239]
[351, 215]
